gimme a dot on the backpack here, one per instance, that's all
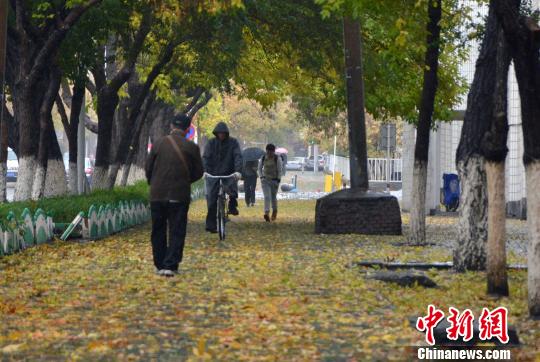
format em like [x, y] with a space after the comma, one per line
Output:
[283, 162]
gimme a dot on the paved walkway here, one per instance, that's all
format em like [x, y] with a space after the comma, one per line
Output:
[269, 292]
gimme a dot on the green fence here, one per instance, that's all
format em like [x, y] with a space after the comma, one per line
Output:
[18, 232]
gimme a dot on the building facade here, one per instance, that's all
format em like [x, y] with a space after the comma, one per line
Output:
[445, 139]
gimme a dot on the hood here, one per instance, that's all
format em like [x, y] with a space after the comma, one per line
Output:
[221, 127]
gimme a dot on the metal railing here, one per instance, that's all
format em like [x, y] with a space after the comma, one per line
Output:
[378, 168]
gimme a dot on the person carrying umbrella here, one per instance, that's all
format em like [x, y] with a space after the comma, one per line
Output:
[251, 158]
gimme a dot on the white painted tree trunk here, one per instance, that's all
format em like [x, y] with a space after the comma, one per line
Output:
[73, 187]
[25, 178]
[136, 173]
[470, 250]
[39, 182]
[417, 221]
[55, 179]
[497, 279]
[532, 171]
[113, 175]
[3, 181]
[118, 181]
[100, 178]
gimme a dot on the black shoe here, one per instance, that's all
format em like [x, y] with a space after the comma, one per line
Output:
[267, 217]
[213, 231]
[234, 212]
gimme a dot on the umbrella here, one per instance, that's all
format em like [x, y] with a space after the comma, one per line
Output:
[282, 150]
[252, 154]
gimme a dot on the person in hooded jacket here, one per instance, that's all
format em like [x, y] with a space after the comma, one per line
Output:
[222, 157]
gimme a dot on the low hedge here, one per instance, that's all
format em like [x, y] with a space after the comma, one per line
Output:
[63, 209]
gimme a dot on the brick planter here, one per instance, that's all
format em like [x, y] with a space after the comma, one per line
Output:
[353, 211]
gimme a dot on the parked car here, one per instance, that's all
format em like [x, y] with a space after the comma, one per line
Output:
[12, 166]
[88, 166]
[310, 163]
[296, 164]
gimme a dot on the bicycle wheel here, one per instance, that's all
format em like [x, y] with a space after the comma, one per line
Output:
[221, 218]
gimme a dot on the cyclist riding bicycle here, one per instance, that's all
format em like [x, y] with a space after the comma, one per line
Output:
[222, 156]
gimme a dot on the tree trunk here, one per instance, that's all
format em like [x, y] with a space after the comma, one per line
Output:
[128, 134]
[25, 107]
[355, 104]
[417, 215]
[532, 171]
[497, 282]
[107, 102]
[75, 113]
[495, 150]
[523, 34]
[3, 122]
[142, 95]
[55, 179]
[134, 144]
[108, 99]
[33, 54]
[135, 164]
[417, 234]
[470, 251]
[46, 132]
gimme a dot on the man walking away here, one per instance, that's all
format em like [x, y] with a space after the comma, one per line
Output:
[270, 169]
[222, 157]
[250, 181]
[173, 164]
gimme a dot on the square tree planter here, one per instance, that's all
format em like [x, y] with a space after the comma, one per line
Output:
[353, 211]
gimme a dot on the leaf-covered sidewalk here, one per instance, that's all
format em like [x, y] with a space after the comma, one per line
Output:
[269, 292]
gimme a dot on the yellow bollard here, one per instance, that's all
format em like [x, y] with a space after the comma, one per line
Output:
[337, 181]
[328, 183]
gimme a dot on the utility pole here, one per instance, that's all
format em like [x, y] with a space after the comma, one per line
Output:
[3, 123]
[81, 149]
[388, 157]
[355, 104]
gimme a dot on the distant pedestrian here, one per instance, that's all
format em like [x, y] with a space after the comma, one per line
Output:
[249, 174]
[173, 164]
[270, 171]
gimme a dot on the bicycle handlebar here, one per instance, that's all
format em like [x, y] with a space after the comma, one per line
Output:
[207, 175]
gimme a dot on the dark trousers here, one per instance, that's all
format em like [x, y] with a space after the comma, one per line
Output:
[250, 184]
[212, 190]
[174, 216]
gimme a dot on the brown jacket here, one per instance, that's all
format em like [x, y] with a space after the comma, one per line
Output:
[168, 178]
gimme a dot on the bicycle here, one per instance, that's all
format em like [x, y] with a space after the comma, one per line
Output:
[222, 207]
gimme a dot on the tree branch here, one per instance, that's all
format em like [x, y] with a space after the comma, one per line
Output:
[199, 105]
[63, 115]
[66, 95]
[123, 75]
[55, 39]
[510, 18]
[98, 71]
[194, 99]
[90, 124]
